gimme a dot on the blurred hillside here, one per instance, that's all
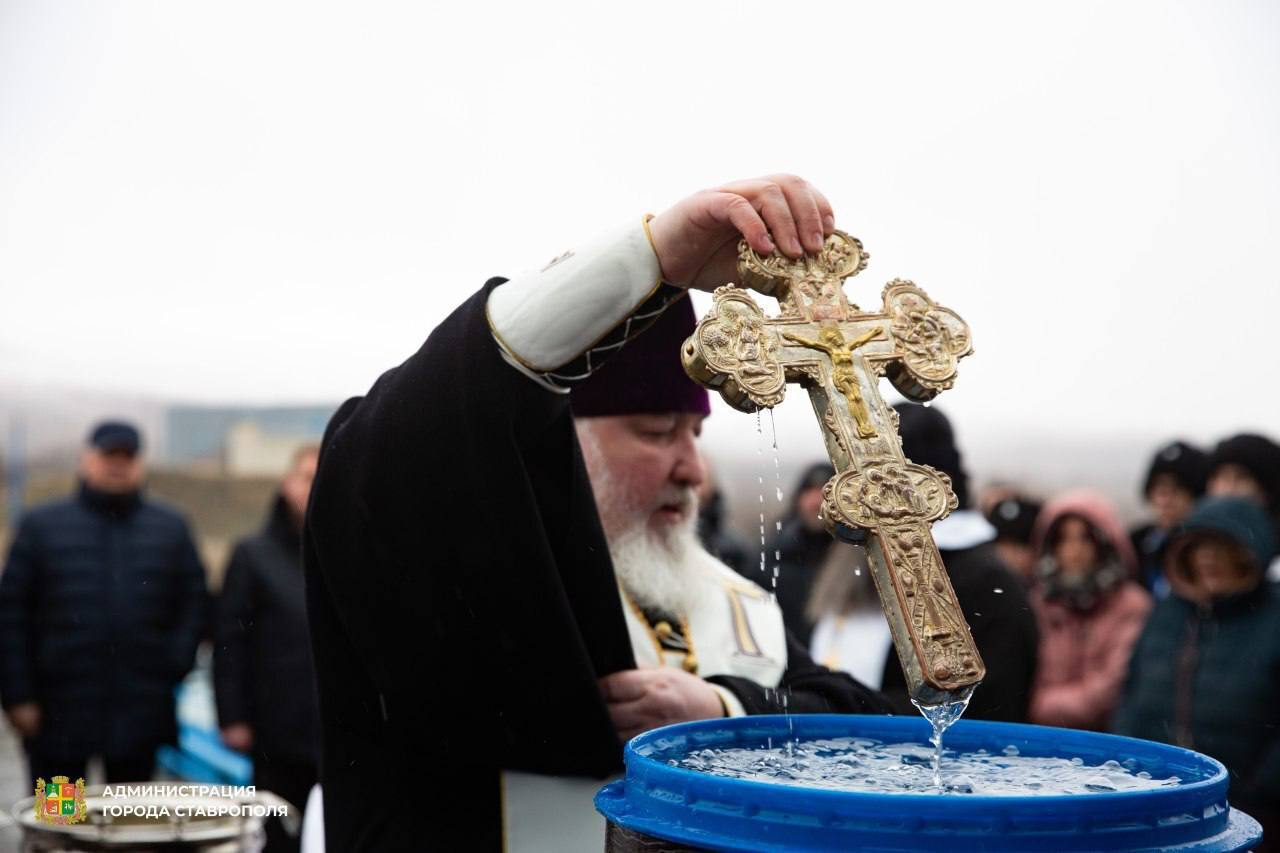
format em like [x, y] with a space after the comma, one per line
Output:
[219, 508]
[218, 465]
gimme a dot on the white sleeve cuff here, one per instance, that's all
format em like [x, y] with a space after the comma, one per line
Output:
[731, 703]
[543, 320]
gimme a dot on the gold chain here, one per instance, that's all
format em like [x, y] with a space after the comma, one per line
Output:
[662, 631]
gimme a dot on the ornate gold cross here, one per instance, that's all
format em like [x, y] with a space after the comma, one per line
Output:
[878, 496]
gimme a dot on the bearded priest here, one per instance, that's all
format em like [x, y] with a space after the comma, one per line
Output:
[504, 582]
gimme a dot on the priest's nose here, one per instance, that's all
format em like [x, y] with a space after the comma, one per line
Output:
[689, 469]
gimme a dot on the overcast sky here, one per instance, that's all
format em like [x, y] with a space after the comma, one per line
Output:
[273, 202]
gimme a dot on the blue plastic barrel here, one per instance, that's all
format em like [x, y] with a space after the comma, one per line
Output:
[704, 812]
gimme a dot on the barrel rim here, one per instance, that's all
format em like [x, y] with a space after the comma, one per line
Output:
[633, 753]
[711, 811]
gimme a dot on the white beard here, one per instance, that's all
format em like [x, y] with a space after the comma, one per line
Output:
[658, 570]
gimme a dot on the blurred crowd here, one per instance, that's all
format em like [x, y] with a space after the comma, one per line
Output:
[103, 603]
[1169, 631]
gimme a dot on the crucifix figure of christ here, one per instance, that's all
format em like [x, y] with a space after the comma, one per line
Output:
[878, 497]
[844, 375]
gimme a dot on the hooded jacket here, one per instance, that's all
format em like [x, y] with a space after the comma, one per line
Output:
[1084, 653]
[1206, 674]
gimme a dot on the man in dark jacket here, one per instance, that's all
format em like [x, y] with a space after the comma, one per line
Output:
[993, 600]
[1206, 670]
[263, 678]
[102, 604]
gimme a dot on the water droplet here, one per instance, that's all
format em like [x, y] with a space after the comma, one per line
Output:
[998, 591]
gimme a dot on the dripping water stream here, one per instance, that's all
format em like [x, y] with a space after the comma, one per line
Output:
[783, 696]
[941, 717]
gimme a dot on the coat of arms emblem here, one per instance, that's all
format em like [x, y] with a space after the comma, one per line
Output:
[59, 801]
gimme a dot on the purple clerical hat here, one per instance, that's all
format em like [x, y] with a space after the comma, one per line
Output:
[645, 376]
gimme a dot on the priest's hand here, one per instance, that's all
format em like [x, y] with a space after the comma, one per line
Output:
[697, 239]
[643, 699]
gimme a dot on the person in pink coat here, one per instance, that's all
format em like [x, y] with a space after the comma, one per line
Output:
[1089, 608]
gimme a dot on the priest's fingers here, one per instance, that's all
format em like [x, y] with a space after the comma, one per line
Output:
[766, 196]
[741, 214]
[805, 214]
[625, 686]
[773, 206]
[802, 199]
[826, 212]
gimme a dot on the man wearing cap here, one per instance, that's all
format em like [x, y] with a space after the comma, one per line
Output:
[1175, 481]
[503, 576]
[102, 604]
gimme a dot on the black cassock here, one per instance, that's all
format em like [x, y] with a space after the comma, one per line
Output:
[462, 603]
